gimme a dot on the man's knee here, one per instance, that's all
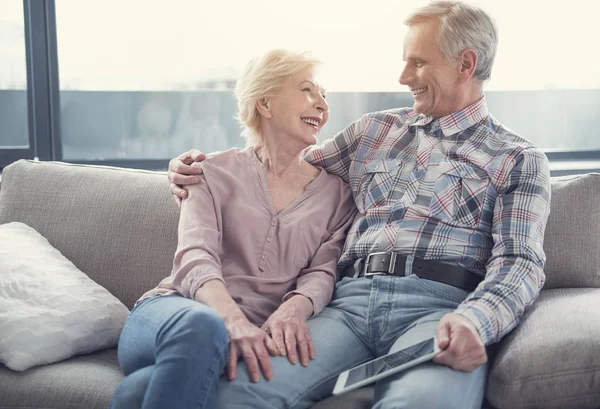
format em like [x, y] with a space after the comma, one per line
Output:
[421, 398]
[432, 386]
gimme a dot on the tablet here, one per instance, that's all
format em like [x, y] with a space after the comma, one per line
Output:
[386, 365]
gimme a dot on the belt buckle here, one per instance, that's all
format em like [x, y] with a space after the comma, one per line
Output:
[391, 264]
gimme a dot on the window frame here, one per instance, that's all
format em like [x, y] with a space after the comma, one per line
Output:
[43, 104]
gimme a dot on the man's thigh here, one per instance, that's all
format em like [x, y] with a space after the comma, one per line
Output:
[294, 386]
[429, 385]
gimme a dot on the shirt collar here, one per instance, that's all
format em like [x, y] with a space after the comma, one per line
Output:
[458, 121]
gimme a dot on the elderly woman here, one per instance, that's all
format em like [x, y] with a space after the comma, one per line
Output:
[259, 240]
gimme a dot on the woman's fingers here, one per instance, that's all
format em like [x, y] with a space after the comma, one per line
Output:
[312, 351]
[271, 346]
[289, 335]
[251, 361]
[232, 362]
[264, 360]
[276, 331]
[302, 349]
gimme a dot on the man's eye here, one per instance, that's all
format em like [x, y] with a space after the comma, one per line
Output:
[418, 64]
[306, 89]
[324, 96]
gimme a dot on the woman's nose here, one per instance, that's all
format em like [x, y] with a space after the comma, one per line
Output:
[322, 104]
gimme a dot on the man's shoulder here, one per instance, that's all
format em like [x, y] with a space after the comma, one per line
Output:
[513, 149]
[509, 139]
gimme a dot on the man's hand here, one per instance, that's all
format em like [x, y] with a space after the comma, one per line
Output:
[251, 343]
[287, 326]
[460, 343]
[182, 171]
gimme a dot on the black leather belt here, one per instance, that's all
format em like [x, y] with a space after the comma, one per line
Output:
[395, 264]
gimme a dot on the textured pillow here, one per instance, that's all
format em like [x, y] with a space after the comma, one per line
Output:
[49, 310]
[552, 359]
[572, 239]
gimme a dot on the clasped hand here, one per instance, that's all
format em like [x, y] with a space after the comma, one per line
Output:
[284, 333]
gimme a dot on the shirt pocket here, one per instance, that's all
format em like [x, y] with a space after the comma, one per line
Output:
[378, 181]
[459, 195]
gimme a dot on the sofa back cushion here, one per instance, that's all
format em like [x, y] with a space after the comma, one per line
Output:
[119, 226]
[572, 239]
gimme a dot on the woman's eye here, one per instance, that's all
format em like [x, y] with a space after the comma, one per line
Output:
[306, 89]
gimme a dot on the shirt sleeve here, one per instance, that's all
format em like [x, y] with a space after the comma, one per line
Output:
[515, 273]
[335, 155]
[197, 259]
[317, 281]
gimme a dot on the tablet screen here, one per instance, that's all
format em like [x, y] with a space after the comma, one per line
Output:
[390, 361]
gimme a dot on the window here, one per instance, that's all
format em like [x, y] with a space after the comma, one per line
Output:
[147, 80]
[14, 137]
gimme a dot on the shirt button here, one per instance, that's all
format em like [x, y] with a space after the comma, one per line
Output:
[269, 239]
[263, 257]
[273, 223]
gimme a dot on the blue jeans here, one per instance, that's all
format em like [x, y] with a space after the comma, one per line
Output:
[368, 317]
[173, 351]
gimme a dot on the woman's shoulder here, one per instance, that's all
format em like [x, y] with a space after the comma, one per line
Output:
[333, 181]
[334, 188]
[232, 160]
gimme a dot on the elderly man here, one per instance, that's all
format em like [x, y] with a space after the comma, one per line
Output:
[448, 239]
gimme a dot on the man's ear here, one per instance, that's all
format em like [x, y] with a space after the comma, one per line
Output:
[263, 106]
[468, 63]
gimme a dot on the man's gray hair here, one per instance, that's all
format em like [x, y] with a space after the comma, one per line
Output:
[462, 26]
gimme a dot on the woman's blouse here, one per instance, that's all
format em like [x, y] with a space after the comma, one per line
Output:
[229, 230]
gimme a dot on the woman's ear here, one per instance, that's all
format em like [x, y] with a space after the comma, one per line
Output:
[263, 105]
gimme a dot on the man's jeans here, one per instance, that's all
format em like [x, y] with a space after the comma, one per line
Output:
[368, 317]
[173, 351]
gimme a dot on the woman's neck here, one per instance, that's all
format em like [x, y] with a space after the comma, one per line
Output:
[281, 161]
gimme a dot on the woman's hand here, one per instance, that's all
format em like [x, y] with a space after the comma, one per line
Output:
[251, 343]
[287, 326]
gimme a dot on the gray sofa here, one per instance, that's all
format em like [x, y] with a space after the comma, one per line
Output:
[120, 227]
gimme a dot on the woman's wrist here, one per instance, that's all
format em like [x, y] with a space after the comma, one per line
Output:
[303, 304]
[214, 294]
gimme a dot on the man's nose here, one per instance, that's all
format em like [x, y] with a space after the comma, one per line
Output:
[405, 76]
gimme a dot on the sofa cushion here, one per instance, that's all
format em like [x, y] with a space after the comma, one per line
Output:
[49, 309]
[83, 382]
[117, 225]
[572, 239]
[552, 359]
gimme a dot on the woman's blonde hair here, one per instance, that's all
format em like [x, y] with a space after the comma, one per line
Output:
[264, 78]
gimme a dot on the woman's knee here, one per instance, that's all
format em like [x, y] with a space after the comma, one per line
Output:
[202, 326]
[131, 391]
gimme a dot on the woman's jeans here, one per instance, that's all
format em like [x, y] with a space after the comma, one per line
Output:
[368, 317]
[173, 351]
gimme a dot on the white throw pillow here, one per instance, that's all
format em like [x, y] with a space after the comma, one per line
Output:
[49, 310]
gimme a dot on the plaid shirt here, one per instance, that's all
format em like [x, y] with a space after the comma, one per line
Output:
[462, 189]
